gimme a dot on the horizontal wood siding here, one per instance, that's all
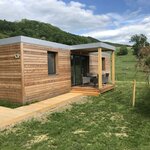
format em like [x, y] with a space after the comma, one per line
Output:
[38, 84]
[94, 64]
[10, 73]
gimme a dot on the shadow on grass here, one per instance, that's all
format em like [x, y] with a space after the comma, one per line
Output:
[143, 103]
[6, 103]
[9, 104]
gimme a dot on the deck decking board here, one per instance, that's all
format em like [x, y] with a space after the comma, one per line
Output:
[91, 91]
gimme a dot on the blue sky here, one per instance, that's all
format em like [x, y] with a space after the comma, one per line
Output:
[106, 20]
[117, 6]
[104, 6]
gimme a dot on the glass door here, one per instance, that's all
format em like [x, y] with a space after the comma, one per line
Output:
[79, 68]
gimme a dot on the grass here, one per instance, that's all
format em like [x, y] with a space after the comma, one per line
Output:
[103, 123]
[9, 104]
[126, 70]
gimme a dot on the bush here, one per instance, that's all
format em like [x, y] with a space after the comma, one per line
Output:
[147, 61]
[123, 50]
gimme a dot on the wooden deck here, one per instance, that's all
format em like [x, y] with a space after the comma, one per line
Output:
[106, 88]
[9, 117]
[91, 91]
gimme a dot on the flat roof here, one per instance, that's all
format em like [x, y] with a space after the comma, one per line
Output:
[93, 46]
[25, 39]
[103, 54]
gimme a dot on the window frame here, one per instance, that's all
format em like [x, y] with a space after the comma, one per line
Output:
[55, 62]
[103, 63]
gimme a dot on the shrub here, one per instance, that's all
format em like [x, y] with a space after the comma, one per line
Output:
[123, 50]
[147, 61]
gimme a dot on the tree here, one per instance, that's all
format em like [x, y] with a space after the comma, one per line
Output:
[141, 49]
[139, 42]
[122, 50]
[144, 61]
[41, 30]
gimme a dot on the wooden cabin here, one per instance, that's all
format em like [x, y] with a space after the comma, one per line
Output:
[33, 69]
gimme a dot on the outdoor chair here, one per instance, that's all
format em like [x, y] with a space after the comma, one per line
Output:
[105, 78]
[86, 80]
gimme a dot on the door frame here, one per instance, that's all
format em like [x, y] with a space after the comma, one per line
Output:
[73, 72]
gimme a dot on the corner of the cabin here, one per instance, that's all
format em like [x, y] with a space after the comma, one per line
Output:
[10, 72]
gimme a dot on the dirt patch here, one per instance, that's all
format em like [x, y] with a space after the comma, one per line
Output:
[36, 139]
[116, 117]
[80, 131]
[107, 134]
[11, 130]
[121, 135]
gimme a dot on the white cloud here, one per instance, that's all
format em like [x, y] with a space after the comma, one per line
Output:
[71, 16]
[123, 33]
[79, 18]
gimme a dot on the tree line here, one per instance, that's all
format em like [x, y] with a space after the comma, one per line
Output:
[41, 30]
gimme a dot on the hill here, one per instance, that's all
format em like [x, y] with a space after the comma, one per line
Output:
[126, 69]
[43, 31]
[117, 44]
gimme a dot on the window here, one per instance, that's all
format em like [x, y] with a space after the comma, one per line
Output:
[103, 63]
[51, 63]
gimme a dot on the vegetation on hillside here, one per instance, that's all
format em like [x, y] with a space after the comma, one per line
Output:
[126, 69]
[117, 44]
[139, 40]
[41, 30]
[141, 48]
[144, 62]
[122, 50]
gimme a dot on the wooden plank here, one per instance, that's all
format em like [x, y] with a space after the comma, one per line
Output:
[113, 67]
[22, 72]
[10, 73]
[99, 68]
[88, 91]
[38, 84]
[107, 88]
[134, 90]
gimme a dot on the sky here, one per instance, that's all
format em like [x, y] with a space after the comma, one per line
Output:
[106, 20]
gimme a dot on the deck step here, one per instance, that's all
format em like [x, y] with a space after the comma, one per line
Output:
[78, 90]
[107, 88]
[85, 89]
[89, 91]
[86, 93]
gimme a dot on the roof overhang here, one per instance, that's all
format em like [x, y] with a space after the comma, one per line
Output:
[93, 47]
[29, 40]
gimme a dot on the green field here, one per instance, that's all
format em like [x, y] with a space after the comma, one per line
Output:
[107, 122]
[126, 68]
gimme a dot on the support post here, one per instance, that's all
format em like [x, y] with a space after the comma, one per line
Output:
[100, 68]
[113, 68]
[134, 90]
[22, 73]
